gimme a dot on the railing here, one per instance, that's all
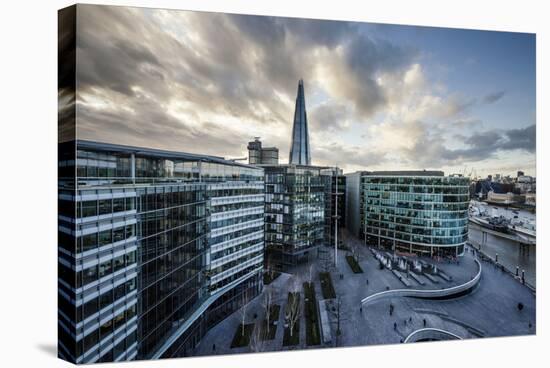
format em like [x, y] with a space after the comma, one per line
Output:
[427, 294]
[431, 334]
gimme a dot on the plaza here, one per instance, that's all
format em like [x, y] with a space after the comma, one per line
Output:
[490, 309]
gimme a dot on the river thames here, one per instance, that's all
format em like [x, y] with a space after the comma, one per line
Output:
[509, 253]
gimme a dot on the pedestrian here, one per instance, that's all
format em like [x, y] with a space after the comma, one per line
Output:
[361, 310]
[424, 321]
[213, 347]
[410, 319]
[405, 322]
[367, 281]
[395, 325]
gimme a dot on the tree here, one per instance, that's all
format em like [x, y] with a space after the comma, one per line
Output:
[310, 278]
[269, 269]
[267, 304]
[257, 342]
[292, 312]
[244, 301]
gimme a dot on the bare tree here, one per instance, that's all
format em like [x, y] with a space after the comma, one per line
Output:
[267, 303]
[310, 278]
[257, 341]
[268, 268]
[292, 312]
[244, 300]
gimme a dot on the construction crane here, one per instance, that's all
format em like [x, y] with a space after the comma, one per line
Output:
[238, 159]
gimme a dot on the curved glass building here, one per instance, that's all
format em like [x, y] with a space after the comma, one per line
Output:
[419, 212]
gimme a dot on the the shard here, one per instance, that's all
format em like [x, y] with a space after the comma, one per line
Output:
[299, 149]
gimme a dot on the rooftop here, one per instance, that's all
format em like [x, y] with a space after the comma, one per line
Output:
[154, 152]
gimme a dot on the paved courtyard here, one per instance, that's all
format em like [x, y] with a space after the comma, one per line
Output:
[490, 310]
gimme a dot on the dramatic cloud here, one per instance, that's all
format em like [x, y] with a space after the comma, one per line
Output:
[329, 116]
[209, 82]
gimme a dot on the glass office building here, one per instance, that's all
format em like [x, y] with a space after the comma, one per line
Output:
[419, 212]
[154, 248]
[294, 214]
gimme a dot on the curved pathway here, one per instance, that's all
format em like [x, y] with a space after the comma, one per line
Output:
[432, 334]
[427, 294]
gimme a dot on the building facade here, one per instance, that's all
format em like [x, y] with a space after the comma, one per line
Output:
[335, 202]
[418, 212]
[294, 214]
[155, 247]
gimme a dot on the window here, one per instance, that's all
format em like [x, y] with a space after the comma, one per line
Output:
[91, 340]
[120, 291]
[118, 234]
[118, 205]
[90, 308]
[105, 206]
[89, 275]
[130, 258]
[106, 299]
[130, 203]
[130, 231]
[105, 237]
[89, 242]
[89, 208]
[130, 285]
[105, 268]
[118, 263]
[106, 328]
[119, 320]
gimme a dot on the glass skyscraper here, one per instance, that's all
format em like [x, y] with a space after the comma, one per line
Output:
[421, 212]
[154, 248]
[299, 148]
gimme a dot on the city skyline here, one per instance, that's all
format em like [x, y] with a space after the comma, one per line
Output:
[405, 97]
[169, 246]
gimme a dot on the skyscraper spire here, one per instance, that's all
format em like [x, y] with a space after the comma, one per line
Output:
[299, 149]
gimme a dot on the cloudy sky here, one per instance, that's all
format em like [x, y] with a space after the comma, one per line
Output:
[377, 96]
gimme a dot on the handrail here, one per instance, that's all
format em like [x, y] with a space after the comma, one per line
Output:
[433, 293]
[430, 333]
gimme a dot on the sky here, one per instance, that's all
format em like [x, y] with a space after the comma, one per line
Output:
[378, 97]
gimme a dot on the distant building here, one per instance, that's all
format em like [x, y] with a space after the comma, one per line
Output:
[526, 184]
[294, 214]
[421, 212]
[531, 199]
[520, 173]
[504, 198]
[299, 148]
[258, 155]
